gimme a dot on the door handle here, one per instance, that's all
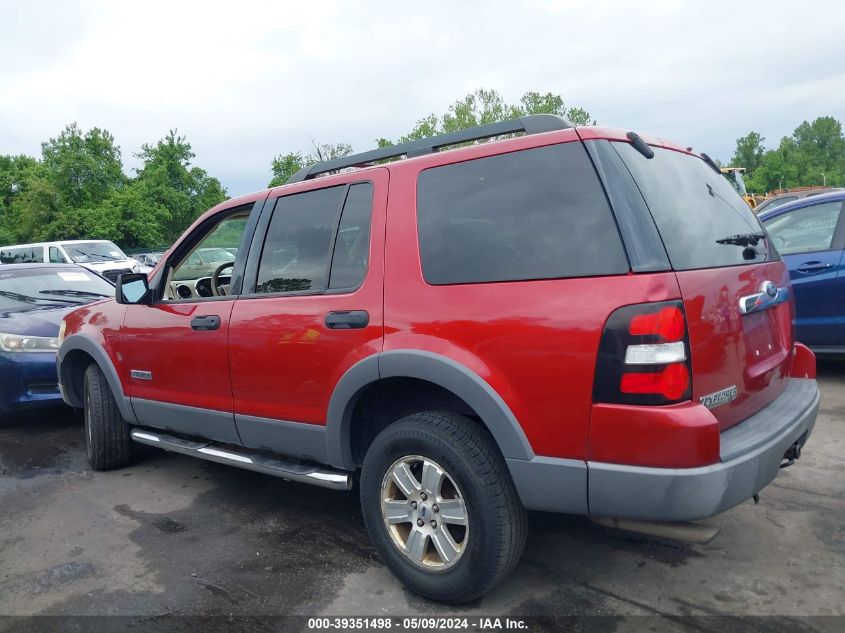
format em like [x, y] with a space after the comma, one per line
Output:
[205, 323]
[813, 266]
[347, 320]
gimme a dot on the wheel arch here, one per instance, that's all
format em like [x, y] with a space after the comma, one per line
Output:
[76, 354]
[444, 376]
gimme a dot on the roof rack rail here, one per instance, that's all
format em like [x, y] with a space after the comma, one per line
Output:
[533, 124]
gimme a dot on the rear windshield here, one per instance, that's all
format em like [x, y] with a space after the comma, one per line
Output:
[693, 208]
[532, 214]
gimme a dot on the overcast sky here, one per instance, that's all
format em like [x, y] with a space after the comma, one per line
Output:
[247, 80]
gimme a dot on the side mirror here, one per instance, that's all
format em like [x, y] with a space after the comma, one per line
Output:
[132, 288]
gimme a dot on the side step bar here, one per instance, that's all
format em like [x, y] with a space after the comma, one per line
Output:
[242, 458]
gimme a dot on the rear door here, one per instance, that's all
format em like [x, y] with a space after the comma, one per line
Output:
[810, 240]
[311, 308]
[740, 336]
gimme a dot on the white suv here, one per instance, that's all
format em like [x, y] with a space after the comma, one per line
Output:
[100, 256]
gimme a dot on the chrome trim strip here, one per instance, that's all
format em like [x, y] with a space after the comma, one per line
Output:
[276, 466]
[762, 300]
[144, 436]
[225, 455]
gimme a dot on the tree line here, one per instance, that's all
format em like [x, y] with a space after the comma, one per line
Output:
[77, 189]
[813, 155]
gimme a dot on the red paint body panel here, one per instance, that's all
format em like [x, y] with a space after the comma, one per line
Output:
[189, 367]
[101, 322]
[803, 363]
[284, 361]
[751, 351]
[677, 436]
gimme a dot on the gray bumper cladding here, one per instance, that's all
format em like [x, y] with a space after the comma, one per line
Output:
[751, 453]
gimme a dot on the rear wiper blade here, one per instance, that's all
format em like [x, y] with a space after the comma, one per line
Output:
[743, 239]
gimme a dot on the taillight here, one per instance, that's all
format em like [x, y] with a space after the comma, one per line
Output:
[644, 356]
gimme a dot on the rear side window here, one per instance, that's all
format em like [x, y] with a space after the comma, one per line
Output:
[352, 246]
[299, 239]
[534, 214]
[312, 244]
[693, 207]
[22, 255]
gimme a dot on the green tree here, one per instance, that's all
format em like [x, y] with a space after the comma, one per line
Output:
[17, 176]
[83, 167]
[286, 165]
[749, 152]
[477, 108]
[488, 106]
[167, 180]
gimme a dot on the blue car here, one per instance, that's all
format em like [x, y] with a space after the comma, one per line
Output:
[33, 300]
[810, 236]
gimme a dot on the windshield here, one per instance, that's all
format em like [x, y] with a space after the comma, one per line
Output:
[89, 252]
[53, 284]
[696, 210]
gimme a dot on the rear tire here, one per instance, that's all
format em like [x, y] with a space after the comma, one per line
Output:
[481, 510]
[106, 433]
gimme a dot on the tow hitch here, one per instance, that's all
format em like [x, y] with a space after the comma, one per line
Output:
[791, 454]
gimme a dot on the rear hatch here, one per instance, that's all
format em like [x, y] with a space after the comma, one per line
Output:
[740, 357]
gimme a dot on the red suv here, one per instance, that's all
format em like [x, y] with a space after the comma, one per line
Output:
[569, 319]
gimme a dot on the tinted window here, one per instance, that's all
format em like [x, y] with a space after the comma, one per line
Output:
[805, 230]
[352, 246]
[25, 255]
[298, 243]
[534, 214]
[693, 207]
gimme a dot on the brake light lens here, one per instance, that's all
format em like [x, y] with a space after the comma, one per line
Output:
[671, 383]
[667, 323]
[644, 356]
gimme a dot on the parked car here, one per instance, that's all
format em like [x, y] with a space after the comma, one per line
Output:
[100, 256]
[810, 236]
[147, 261]
[203, 262]
[33, 300]
[575, 320]
[769, 204]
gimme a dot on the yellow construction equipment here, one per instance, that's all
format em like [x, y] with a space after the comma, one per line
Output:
[734, 176]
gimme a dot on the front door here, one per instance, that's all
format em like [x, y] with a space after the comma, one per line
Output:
[175, 348]
[810, 242]
[310, 310]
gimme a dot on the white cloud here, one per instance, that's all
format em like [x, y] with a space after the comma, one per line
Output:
[246, 80]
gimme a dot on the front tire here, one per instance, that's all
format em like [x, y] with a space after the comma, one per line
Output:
[106, 433]
[440, 506]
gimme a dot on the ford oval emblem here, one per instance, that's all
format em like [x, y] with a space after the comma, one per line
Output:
[769, 288]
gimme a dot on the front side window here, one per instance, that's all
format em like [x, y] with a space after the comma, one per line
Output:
[56, 256]
[317, 240]
[533, 214]
[211, 252]
[805, 230]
